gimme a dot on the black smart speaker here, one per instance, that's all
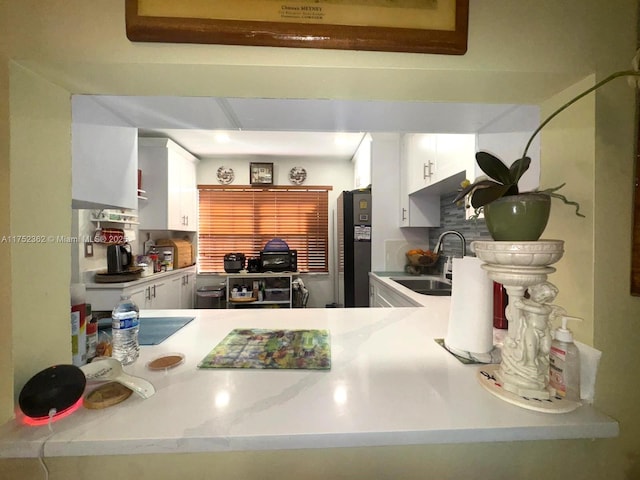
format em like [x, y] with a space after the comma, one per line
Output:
[58, 387]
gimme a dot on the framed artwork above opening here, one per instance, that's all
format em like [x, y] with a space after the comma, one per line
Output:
[261, 173]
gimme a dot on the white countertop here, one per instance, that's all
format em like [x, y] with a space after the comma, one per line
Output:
[89, 284]
[390, 384]
[418, 299]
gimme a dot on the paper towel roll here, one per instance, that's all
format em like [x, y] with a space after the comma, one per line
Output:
[471, 316]
[129, 235]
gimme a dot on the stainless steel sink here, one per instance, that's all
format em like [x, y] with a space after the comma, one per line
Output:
[425, 286]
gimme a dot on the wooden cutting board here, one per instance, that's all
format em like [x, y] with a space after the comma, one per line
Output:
[128, 276]
[106, 395]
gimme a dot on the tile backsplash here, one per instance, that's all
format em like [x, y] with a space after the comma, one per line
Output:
[453, 218]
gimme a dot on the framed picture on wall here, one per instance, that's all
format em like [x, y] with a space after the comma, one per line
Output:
[261, 173]
[419, 26]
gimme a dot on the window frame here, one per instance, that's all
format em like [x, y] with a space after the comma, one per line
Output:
[313, 254]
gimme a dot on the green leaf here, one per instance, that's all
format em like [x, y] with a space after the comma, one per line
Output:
[482, 196]
[513, 190]
[518, 168]
[469, 188]
[494, 167]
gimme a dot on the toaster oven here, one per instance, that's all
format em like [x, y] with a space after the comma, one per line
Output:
[284, 261]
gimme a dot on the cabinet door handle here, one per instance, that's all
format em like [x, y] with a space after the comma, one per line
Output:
[154, 291]
[147, 293]
[404, 214]
[427, 170]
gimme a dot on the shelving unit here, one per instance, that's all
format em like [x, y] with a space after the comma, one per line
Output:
[278, 289]
[113, 216]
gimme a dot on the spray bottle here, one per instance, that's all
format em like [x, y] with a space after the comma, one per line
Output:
[564, 363]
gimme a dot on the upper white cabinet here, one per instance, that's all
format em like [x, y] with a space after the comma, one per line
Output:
[419, 156]
[104, 166]
[416, 209]
[169, 179]
[430, 165]
[438, 161]
[104, 157]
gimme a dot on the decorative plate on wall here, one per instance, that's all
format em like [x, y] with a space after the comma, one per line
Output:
[225, 175]
[297, 175]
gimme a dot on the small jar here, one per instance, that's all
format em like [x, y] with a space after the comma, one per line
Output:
[168, 259]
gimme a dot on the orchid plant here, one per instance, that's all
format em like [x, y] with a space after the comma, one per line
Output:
[503, 181]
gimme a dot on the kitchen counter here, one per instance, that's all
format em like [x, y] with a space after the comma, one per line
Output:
[416, 299]
[390, 384]
[90, 284]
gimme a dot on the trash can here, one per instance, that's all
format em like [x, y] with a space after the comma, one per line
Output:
[212, 296]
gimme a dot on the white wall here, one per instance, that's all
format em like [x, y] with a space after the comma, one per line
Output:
[362, 163]
[389, 242]
[519, 52]
[337, 173]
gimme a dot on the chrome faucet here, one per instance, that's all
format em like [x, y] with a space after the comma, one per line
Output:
[447, 267]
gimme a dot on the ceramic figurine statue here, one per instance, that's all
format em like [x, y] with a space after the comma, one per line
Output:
[522, 377]
[525, 357]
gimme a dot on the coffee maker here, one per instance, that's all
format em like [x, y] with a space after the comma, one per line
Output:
[118, 258]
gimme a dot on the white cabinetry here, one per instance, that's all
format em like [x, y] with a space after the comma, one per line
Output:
[419, 151]
[170, 290]
[381, 295]
[435, 159]
[145, 294]
[184, 289]
[169, 179]
[104, 166]
[431, 165]
[416, 209]
[158, 295]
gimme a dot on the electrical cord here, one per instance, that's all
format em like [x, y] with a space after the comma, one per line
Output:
[52, 412]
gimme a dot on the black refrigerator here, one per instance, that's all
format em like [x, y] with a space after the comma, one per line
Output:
[353, 219]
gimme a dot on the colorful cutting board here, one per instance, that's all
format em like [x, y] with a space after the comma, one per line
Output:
[262, 348]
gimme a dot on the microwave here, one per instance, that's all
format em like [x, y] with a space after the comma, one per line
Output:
[284, 261]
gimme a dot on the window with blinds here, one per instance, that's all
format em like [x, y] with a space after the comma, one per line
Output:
[243, 219]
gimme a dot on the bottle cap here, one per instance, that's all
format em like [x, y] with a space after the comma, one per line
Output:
[563, 334]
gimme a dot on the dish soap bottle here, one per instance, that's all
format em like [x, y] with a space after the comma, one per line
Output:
[564, 363]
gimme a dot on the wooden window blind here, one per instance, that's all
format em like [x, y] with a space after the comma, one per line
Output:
[244, 218]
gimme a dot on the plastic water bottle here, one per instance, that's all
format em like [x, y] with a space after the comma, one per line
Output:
[124, 329]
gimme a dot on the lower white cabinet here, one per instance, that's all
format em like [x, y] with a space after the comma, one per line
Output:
[163, 291]
[381, 295]
[183, 289]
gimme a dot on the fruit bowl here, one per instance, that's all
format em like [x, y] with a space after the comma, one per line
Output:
[422, 258]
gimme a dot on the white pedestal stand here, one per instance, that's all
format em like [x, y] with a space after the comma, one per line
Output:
[523, 376]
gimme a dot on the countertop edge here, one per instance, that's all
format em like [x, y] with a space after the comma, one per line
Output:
[490, 421]
[141, 280]
[606, 428]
